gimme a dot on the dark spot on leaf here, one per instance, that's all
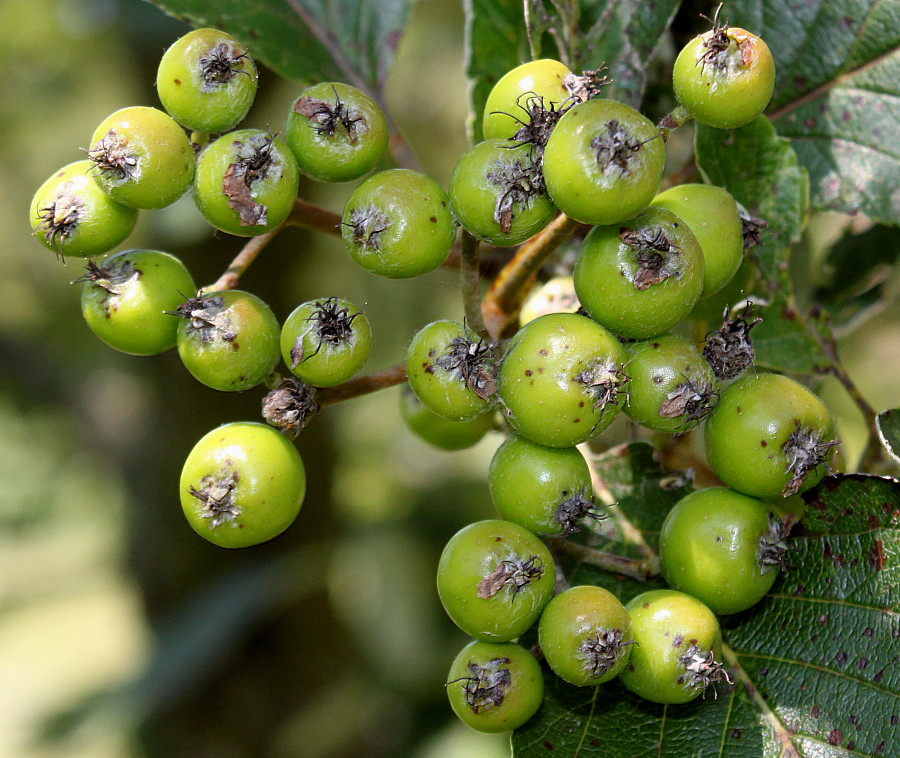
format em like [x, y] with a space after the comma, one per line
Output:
[799, 82]
[873, 521]
[894, 719]
[879, 748]
[735, 734]
[851, 745]
[862, 663]
[841, 658]
[528, 372]
[876, 555]
[595, 742]
[814, 712]
[809, 122]
[549, 746]
[763, 671]
[878, 677]
[814, 637]
[853, 719]
[834, 737]
[432, 219]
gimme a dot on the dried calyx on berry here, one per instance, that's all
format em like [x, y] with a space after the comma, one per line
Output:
[520, 182]
[332, 324]
[692, 400]
[328, 118]
[206, 317]
[573, 509]
[513, 572]
[487, 685]
[588, 85]
[805, 450]
[366, 225]
[701, 669]
[217, 496]
[605, 380]
[751, 226]
[729, 351]
[473, 363]
[254, 163]
[771, 553]
[220, 65]
[290, 406]
[112, 158]
[600, 651]
[656, 256]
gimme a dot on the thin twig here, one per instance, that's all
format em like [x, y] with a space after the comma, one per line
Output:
[506, 290]
[617, 564]
[781, 733]
[401, 151]
[248, 253]
[471, 283]
[308, 216]
[678, 116]
[363, 385]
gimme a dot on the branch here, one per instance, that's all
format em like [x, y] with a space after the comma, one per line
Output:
[506, 290]
[679, 116]
[471, 282]
[363, 385]
[308, 216]
[617, 564]
[253, 247]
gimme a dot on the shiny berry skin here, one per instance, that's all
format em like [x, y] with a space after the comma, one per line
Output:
[142, 158]
[712, 215]
[494, 579]
[228, 340]
[326, 342]
[556, 295]
[722, 547]
[603, 162]
[441, 432]
[678, 648]
[450, 370]
[336, 132]
[724, 77]
[545, 489]
[505, 108]
[585, 635]
[671, 387]
[72, 216]
[495, 687]
[769, 436]
[126, 300]
[497, 193]
[642, 277]
[561, 379]
[246, 182]
[242, 483]
[206, 81]
[398, 224]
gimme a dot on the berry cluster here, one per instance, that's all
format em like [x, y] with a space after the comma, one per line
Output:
[556, 155]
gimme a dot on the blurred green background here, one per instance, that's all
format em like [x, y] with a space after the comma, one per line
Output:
[122, 633]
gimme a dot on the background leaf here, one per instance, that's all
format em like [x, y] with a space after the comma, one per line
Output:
[308, 41]
[621, 36]
[888, 425]
[837, 95]
[814, 661]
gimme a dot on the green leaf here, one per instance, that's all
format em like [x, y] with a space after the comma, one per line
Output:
[837, 95]
[308, 40]
[813, 662]
[621, 36]
[888, 425]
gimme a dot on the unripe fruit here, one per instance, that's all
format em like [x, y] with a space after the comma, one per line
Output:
[398, 224]
[228, 340]
[441, 432]
[142, 158]
[128, 299]
[72, 216]
[495, 687]
[206, 81]
[336, 132]
[712, 215]
[641, 277]
[724, 77]
[242, 484]
[507, 105]
[246, 182]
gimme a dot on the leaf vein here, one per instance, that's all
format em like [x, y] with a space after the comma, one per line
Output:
[814, 667]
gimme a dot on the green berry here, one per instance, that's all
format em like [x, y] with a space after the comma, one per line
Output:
[128, 299]
[495, 687]
[507, 105]
[722, 547]
[206, 81]
[642, 277]
[398, 224]
[585, 635]
[336, 132]
[671, 387]
[246, 182]
[72, 216]
[242, 484]
[603, 162]
[712, 215]
[142, 158]
[326, 342]
[497, 193]
[494, 579]
[678, 648]
[560, 380]
[545, 489]
[228, 340]
[441, 432]
[450, 370]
